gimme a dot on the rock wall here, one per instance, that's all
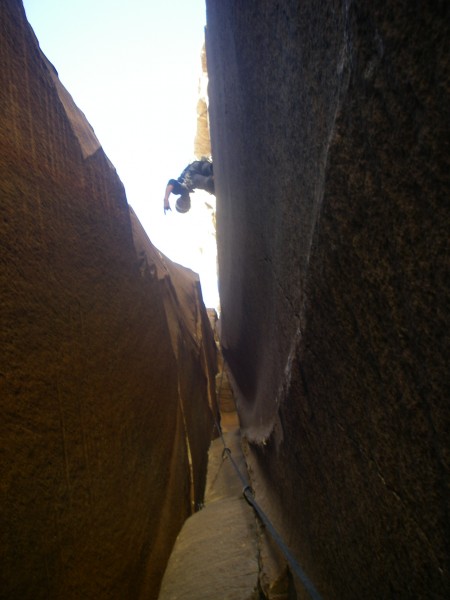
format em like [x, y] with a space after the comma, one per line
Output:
[107, 360]
[202, 141]
[329, 129]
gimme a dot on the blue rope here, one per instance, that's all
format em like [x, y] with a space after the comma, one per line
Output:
[250, 498]
[307, 583]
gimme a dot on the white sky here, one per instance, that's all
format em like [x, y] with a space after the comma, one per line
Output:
[133, 67]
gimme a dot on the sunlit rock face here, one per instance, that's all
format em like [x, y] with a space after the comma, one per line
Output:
[329, 127]
[202, 142]
[107, 359]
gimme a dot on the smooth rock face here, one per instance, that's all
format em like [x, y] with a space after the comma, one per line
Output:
[107, 359]
[329, 129]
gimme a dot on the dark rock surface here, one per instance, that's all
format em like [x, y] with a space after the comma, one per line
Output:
[107, 360]
[329, 128]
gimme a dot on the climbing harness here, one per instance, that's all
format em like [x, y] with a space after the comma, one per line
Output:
[249, 496]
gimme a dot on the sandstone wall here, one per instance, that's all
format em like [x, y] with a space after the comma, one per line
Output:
[329, 128]
[202, 141]
[107, 360]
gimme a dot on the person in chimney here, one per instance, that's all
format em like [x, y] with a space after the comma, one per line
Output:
[197, 175]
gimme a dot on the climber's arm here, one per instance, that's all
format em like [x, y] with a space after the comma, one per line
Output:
[169, 190]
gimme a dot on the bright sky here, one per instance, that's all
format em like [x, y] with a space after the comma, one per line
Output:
[133, 69]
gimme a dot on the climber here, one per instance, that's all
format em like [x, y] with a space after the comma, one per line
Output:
[197, 175]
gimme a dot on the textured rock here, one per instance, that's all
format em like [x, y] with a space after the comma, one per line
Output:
[329, 128]
[216, 553]
[106, 357]
[202, 142]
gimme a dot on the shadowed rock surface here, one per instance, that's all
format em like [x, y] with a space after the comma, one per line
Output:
[329, 128]
[216, 553]
[107, 359]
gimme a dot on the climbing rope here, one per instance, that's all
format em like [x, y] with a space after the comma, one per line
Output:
[249, 496]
